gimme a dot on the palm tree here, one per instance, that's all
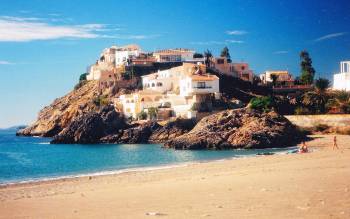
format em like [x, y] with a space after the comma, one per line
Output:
[316, 99]
[207, 55]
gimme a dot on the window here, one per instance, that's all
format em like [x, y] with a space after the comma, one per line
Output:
[201, 85]
[159, 84]
[242, 68]
[153, 85]
[220, 61]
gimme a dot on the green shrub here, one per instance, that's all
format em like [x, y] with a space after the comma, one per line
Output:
[261, 103]
[152, 113]
[142, 115]
[101, 100]
[83, 77]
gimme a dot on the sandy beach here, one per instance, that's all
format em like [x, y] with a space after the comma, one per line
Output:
[312, 185]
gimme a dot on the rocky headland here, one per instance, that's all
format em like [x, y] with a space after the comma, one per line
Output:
[79, 118]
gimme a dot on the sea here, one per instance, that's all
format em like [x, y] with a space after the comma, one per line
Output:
[24, 159]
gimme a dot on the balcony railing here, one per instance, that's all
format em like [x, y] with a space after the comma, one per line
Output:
[202, 87]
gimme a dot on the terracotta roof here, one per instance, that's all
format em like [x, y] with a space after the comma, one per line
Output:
[172, 51]
[203, 77]
[277, 72]
[128, 47]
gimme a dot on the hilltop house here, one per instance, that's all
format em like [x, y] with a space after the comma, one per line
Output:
[182, 90]
[240, 70]
[282, 77]
[173, 55]
[342, 79]
[124, 54]
[104, 66]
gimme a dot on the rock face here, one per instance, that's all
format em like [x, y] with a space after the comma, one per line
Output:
[54, 118]
[241, 128]
[151, 132]
[137, 134]
[91, 127]
[172, 130]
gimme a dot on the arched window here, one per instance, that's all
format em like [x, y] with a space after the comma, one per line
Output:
[153, 85]
[159, 84]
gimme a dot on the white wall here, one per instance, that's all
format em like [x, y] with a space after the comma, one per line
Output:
[129, 105]
[160, 85]
[122, 56]
[187, 56]
[341, 81]
[189, 87]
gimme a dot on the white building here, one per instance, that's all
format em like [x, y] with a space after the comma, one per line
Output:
[122, 54]
[163, 81]
[97, 70]
[174, 55]
[180, 89]
[199, 84]
[342, 79]
[283, 77]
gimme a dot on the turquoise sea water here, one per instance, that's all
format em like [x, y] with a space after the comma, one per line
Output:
[28, 158]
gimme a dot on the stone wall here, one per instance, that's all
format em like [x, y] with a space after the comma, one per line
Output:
[339, 120]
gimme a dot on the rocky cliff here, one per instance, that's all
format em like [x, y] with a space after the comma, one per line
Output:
[241, 128]
[54, 118]
[90, 127]
[80, 117]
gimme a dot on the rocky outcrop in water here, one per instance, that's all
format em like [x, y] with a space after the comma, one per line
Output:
[241, 128]
[91, 127]
[151, 132]
[136, 134]
[172, 130]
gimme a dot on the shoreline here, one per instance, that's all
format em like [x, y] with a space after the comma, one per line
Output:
[136, 169]
[310, 185]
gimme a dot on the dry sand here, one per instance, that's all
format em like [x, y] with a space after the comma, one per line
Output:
[313, 185]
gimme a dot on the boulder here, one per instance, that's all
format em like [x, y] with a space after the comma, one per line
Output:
[171, 130]
[137, 134]
[240, 128]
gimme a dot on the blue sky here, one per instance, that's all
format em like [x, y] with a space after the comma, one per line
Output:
[46, 45]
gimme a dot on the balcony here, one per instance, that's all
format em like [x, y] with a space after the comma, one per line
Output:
[203, 87]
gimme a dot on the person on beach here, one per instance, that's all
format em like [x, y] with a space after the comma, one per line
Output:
[335, 144]
[303, 148]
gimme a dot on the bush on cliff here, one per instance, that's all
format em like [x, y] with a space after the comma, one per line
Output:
[101, 100]
[83, 77]
[264, 104]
